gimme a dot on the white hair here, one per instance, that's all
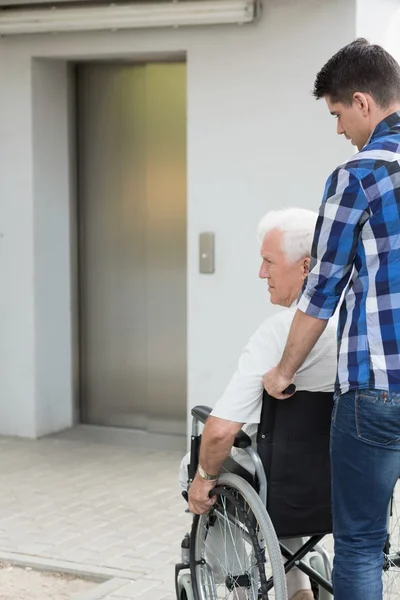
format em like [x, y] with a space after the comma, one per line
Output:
[297, 226]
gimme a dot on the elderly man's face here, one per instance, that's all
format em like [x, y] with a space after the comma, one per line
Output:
[285, 279]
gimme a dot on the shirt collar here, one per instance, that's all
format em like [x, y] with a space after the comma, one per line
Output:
[384, 126]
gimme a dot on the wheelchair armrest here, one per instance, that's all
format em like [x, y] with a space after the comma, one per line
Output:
[242, 440]
[201, 413]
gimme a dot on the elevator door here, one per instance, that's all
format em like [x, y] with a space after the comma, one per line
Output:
[131, 122]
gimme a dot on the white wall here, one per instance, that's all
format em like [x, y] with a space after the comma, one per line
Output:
[52, 281]
[256, 140]
[17, 358]
[379, 22]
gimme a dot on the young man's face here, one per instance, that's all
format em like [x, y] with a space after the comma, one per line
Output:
[352, 121]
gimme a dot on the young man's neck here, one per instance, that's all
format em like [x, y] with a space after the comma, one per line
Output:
[384, 113]
[381, 114]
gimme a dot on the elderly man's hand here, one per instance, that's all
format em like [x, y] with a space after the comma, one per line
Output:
[275, 383]
[199, 499]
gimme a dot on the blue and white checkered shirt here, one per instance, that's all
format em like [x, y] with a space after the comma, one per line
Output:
[357, 243]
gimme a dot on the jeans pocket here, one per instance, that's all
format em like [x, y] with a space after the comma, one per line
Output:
[377, 420]
[335, 406]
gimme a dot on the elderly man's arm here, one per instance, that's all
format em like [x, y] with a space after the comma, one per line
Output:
[240, 403]
[217, 440]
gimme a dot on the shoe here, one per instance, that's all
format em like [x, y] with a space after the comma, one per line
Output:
[303, 595]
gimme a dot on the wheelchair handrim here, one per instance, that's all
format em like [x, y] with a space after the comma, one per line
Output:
[201, 575]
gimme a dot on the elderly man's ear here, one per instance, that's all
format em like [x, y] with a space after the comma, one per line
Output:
[306, 266]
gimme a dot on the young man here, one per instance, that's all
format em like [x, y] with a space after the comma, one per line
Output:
[357, 244]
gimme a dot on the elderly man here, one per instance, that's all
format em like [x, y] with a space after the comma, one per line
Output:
[285, 238]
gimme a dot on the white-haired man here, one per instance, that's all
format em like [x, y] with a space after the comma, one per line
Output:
[285, 237]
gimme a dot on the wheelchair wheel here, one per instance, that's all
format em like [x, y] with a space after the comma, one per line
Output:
[391, 564]
[234, 551]
[185, 588]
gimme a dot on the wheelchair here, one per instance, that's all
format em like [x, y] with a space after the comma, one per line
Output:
[233, 552]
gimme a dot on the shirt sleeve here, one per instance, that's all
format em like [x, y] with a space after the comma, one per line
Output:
[242, 398]
[343, 212]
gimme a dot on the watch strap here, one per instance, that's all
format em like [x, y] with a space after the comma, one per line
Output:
[205, 475]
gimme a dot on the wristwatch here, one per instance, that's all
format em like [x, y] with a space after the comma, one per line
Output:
[205, 475]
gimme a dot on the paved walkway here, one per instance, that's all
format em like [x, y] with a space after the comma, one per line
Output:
[98, 503]
[107, 509]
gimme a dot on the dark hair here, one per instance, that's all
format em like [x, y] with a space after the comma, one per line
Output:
[360, 67]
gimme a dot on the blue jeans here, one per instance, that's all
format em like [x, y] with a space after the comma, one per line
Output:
[365, 458]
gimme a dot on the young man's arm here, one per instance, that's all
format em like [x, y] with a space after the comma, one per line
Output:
[342, 214]
[303, 336]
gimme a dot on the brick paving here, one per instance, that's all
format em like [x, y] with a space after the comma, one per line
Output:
[106, 507]
[94, 507]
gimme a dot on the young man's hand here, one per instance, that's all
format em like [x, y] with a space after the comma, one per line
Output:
[275, 383]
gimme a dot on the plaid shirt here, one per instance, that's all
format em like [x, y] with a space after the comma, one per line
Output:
[357, 244]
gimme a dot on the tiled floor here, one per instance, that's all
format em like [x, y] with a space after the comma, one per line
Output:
[104, 505]
[97, 502]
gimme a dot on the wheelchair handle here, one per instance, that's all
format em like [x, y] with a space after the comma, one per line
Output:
[290, 389]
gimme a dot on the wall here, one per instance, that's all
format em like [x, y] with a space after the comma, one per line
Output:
[17, 357]
[256, 140]
[52, 277]
[379, 22]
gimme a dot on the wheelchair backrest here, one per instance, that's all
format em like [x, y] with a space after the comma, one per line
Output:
[293, 443]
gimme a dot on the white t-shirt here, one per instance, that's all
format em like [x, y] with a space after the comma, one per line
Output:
[242, 399]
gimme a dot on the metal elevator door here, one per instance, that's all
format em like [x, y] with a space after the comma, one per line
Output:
[131, 138]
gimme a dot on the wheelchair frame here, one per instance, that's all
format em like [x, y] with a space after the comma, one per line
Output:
[243, 441]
